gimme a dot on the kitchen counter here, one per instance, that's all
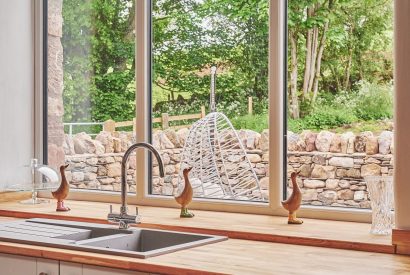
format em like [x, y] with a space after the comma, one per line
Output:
[323, 233]
[241, 254]
[234, 257]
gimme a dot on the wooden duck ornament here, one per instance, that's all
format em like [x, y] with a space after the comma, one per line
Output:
[293, 203]
[185, 197]
[62, 192]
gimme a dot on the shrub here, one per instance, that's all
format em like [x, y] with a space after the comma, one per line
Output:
[328, 117]
[325, 117]
[296, 125]
[256, 123]
[374, 101]
[370, 102]
[176, 108]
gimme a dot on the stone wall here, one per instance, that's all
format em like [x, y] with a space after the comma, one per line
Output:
[332, 167]
[100, 172]
[336, 179]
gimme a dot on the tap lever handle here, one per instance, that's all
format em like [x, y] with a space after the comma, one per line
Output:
[136, 210]
[110, 208]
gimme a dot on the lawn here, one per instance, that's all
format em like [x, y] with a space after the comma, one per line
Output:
[159, 94]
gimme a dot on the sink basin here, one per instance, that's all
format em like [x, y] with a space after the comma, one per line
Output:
[135, 242]
[148, 242]
[90, 234]
[145, 240]
[76, 231]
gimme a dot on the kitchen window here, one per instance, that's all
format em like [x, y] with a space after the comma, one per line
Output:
[189, 40]
[90, 88]
[160, 71]
[340, 103]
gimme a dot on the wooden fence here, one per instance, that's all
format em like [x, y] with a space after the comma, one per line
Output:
[164, 120]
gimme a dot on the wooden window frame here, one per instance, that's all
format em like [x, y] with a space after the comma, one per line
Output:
[277, 63]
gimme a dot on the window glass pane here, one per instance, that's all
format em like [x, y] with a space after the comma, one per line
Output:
[340, 100]
[189, 37]
[91, 86]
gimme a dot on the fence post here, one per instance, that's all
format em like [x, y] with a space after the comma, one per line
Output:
[250, 105]
[70, 130]
[203, 113]
[165, 121]
[134, 126]
[109, 126]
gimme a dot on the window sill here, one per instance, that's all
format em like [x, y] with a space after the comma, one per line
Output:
[313, 232]
[241, 207]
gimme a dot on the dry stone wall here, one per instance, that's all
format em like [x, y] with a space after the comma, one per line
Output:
[336, 179]
[100, 172]
[332, 166]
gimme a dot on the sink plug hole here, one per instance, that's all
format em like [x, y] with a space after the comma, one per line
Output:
[107, 247]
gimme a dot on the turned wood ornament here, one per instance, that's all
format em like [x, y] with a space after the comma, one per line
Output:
[62, 192]
[185, 197]
[292, 204]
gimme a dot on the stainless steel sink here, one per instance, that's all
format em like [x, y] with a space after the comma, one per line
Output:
[134, 242]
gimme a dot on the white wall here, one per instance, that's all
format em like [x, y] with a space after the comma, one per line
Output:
[16, 90]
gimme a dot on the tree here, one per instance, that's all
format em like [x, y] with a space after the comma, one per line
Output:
[329, 43]
[232, 35]
[77, 66]
[98, 43]
[308, 20]
[333, 45]
[114, 60]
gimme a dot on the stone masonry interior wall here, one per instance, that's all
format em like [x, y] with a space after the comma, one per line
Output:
[55, 84]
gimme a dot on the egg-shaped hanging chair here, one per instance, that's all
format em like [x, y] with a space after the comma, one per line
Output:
[221, 168]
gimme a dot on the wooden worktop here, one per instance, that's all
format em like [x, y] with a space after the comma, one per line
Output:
[323, 233]
[234, 256]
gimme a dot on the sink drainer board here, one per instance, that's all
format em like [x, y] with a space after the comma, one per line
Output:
[134, 242]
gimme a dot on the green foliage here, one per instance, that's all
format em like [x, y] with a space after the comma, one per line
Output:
[77, 66]
[370, 103]
[98, 60]
[175, 108]
[323, 118]
[355, 38]
[374, 126]
[374, 101]
[328, 117]
[231, 108]
[189, 36]
[256, 123]
[360, 31]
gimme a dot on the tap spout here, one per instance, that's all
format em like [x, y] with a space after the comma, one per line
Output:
[124, 168]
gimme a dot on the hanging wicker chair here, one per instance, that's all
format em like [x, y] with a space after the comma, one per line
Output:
[221, 168]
